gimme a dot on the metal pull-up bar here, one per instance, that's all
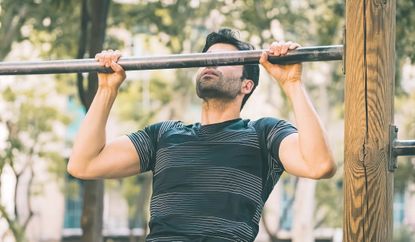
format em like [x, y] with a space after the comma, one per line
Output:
[398, 147]
[302, 54]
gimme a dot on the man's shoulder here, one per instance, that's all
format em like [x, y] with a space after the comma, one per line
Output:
[265, 121]
[167, 123]
[163, 126]
[268, 125]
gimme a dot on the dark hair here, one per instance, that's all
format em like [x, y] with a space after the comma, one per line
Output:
[228, 36]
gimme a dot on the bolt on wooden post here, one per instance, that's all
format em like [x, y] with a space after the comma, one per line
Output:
[369, 89]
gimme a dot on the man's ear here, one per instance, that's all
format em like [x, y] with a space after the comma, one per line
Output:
[247, 86]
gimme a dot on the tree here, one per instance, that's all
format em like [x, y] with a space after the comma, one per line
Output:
[30, 123]
[93, 28]
[19, 19]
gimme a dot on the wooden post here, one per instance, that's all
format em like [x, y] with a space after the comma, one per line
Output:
[369, 89]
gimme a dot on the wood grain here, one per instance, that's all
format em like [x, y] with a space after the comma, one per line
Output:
[369, 88]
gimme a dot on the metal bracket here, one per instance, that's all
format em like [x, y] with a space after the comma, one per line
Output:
[398, 148]
[393, 134]
[344, 50]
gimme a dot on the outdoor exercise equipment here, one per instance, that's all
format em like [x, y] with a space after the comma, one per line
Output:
[303, 54]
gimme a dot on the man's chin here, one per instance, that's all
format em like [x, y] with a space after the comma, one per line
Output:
[210, 93]
[207, 94]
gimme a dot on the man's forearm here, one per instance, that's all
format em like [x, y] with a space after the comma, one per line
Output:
[313, 143]
[91, 137]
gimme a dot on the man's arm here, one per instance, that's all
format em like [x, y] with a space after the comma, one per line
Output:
[92, 157]
[306, 154]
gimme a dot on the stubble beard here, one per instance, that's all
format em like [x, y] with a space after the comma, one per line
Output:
[217, 87]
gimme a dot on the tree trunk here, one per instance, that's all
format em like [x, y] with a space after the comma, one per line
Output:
[91, 221]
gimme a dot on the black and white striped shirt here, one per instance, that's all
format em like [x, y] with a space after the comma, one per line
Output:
[210, 182]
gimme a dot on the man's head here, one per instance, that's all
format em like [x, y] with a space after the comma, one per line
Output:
[226, 82]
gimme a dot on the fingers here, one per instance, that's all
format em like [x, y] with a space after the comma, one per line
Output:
[279, 48]
[264, 60]
[117, 68]
[293, 45]
[108, 57]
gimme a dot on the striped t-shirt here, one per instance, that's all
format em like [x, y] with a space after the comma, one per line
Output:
[210, 182]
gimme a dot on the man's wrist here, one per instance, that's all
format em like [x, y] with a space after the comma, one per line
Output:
[292, 88]
[110, 92]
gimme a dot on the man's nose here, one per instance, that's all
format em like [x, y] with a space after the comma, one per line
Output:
[211, 67]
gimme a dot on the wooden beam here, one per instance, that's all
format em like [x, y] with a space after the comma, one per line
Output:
[369, 89]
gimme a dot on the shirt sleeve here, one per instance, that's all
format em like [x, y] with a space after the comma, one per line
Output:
[271, 133]
[145, 142]
[277, 131]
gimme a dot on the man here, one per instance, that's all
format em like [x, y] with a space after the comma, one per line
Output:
[210, 179]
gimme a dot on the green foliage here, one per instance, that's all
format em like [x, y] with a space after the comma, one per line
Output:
[30, 122]
[405, 30]
[19, 18]
[405, 38]
[329, 19]
[256, 18]
[173, 24]
[134, 104]
[405, 174]
[329, 203]
[404, 234]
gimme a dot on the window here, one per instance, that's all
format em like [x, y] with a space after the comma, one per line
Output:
[398, 208]
[73, 202]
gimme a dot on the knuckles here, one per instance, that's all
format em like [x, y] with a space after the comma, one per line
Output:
[107, 56]
[282, 47]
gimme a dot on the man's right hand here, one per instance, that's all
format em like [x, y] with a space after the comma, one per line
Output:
[113, 80]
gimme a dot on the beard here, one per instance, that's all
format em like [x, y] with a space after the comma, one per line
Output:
[217, 87]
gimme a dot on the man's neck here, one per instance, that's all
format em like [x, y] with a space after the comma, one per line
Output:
[218, 111]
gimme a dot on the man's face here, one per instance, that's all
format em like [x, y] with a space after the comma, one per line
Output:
[219, 82]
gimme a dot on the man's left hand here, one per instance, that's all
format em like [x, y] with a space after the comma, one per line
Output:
[286, 75]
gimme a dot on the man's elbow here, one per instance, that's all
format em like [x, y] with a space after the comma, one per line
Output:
[326, 169]
[75, 170]
[71, 168]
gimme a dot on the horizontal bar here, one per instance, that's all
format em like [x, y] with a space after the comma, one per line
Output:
[404, 147]
[302, 54]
